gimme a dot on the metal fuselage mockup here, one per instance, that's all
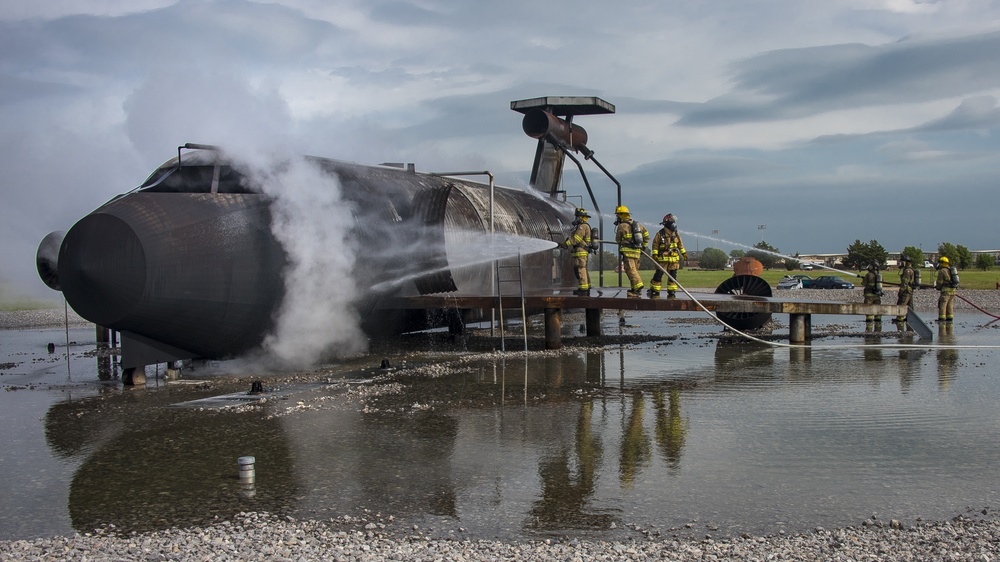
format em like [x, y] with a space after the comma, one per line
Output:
[187, 265]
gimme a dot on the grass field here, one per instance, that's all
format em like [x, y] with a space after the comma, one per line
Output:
[12, 300]
[690, 278]
[697, 278]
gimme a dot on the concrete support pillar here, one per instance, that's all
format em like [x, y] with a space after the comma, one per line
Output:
[553, 328]
[593, 322]
[103, 335]
[799, 328]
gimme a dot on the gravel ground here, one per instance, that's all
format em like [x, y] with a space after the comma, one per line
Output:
[45, 318]
[260, 536]
[925, 300]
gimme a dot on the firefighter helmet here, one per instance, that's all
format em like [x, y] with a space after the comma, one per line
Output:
[669, 217]
[581, 212]
[943, 260]
[621, 210]
[872, 267]
[905, 258]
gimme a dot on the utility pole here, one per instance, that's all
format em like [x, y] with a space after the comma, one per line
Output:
[761, 228]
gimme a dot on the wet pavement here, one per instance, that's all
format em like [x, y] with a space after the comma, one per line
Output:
[661, 427]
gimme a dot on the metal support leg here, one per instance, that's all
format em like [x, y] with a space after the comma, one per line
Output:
[593, 322]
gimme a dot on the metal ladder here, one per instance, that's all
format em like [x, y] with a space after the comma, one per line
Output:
[516, 278]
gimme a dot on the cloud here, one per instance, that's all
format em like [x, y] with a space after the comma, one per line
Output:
[795, 83]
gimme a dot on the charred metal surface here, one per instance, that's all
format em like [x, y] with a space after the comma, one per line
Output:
[47, 259]
[200, 271]
[431, 206]
[187, 266]
[538, 123]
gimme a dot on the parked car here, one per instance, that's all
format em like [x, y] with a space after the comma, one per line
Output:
[807, 267]
[789, 282]
[805, 279]
[830, 282]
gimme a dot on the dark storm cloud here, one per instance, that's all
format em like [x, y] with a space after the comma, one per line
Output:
[795, 83]
[977, 113]
[973, 115]
[237, 31]
[697, 170]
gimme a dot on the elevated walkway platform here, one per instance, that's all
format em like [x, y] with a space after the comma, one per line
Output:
[614, 298]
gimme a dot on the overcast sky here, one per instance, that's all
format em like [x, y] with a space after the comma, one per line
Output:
[827, 121]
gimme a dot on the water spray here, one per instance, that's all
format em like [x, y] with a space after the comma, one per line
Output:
[810, 346]
[834, 270]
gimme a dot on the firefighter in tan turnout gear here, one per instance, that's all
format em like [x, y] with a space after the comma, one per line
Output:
[580, 243]
[947, 283]
[631, 238]
[668, 250]
[872, 294]
[909, 280]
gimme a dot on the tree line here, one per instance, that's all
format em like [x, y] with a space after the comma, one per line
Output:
[859, 256]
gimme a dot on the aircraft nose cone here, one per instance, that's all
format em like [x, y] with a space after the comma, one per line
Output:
[102, 268]
[47, 259]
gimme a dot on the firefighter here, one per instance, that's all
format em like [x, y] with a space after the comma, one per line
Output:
[907, 284]
[873, 294]
[631, 238]
[579, 241]
[668, 249]
[947, 283]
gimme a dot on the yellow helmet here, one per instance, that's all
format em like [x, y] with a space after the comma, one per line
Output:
[943, 260]
[621, 210]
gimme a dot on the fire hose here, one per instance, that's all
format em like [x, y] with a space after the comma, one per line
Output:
[793, 345]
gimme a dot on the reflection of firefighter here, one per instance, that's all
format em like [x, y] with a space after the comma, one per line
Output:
[636, 447]
[907, 283]
[631, 238]
[579, 241]
[947, 283]
[671, 428]
[566, 493]
[668, 249]
[872, 282]
[947, 358]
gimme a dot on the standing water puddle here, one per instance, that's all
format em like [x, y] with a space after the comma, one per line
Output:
[689, 435]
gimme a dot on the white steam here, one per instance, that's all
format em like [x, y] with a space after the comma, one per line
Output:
[312, 222]
[310, 219]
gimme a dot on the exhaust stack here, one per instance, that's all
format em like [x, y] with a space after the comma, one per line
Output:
[539, 123]
[552, 117]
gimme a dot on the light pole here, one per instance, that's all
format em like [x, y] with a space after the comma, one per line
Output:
[761, 228]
